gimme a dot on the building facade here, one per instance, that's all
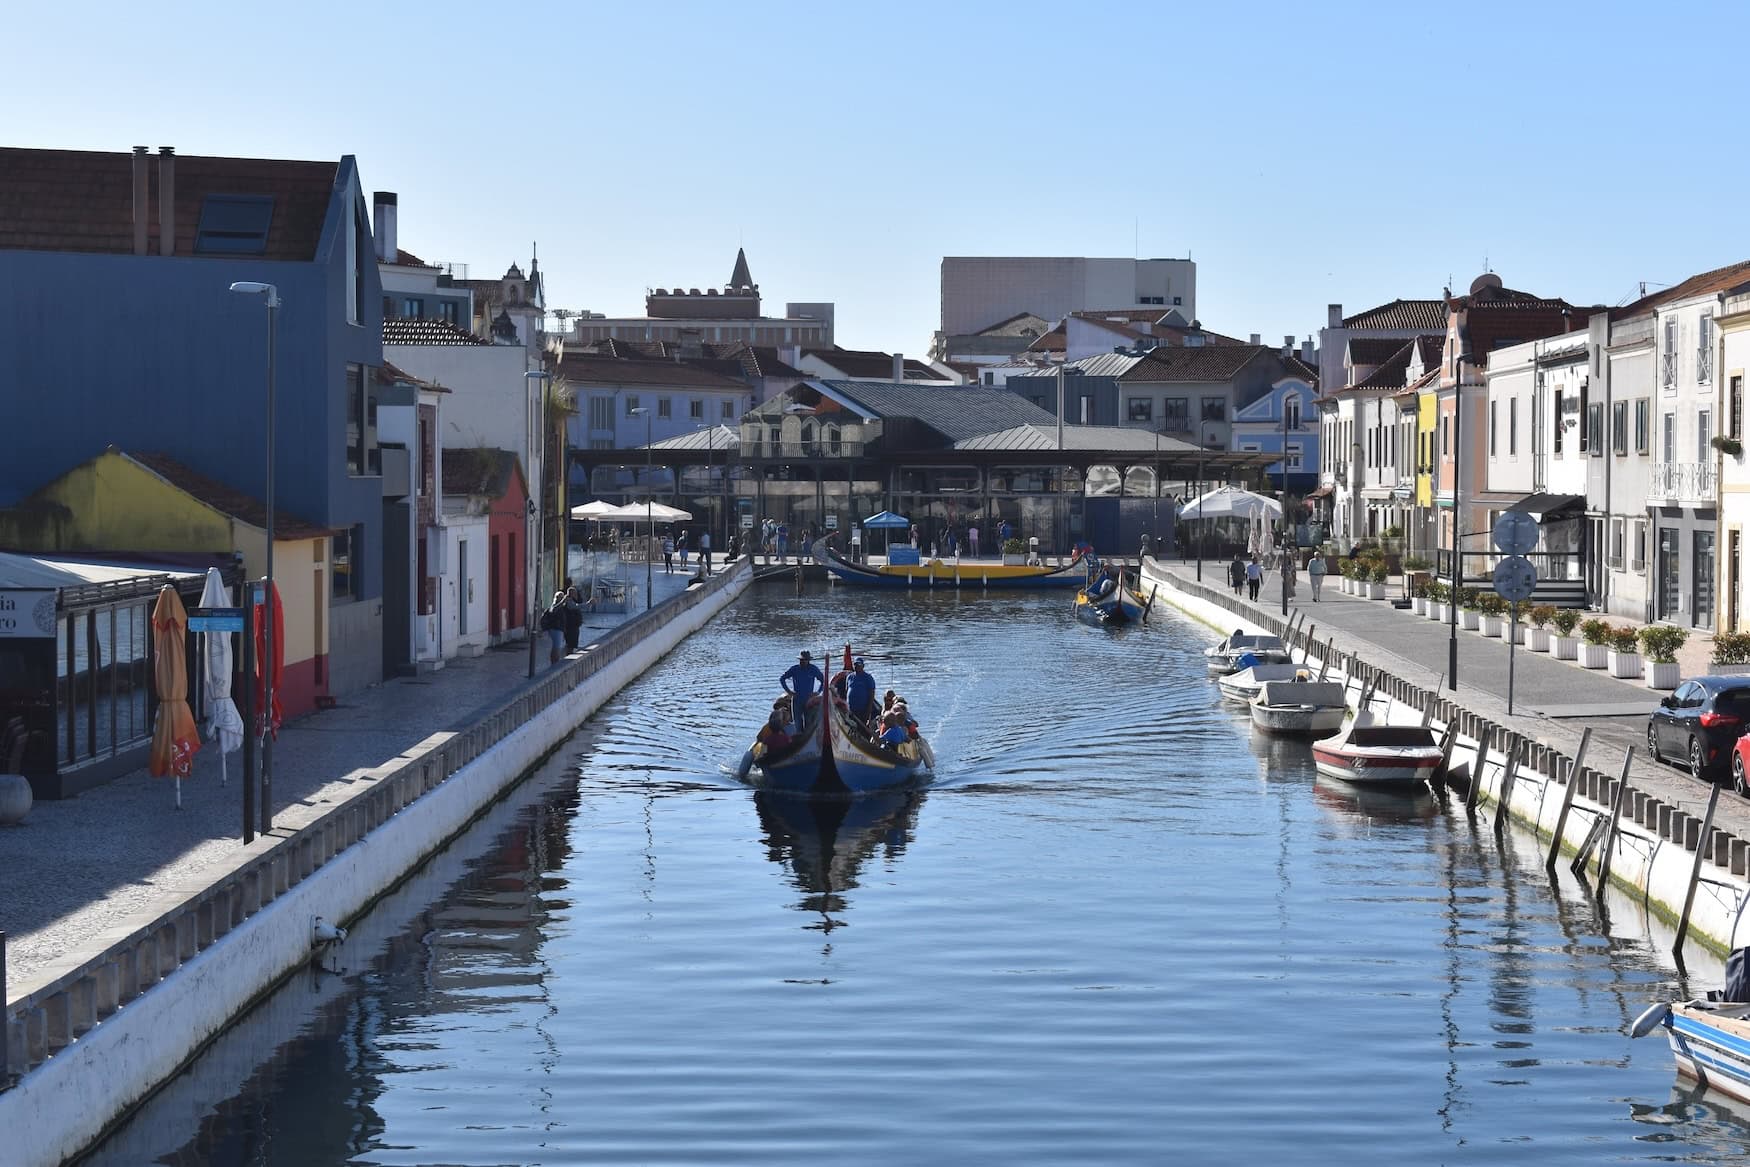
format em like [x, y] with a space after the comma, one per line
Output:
[981, 291]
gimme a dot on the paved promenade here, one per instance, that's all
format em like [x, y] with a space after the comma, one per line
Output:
[1553, 700]
[109, 858]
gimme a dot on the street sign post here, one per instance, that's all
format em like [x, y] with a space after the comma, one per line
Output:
[1515, 579]
[1515, 532]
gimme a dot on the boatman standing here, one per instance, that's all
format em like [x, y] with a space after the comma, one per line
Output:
[800, 680]
[860, 692]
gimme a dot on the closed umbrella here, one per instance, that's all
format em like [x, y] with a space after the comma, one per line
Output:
[266, 723]
[223, 721]
[174, 738]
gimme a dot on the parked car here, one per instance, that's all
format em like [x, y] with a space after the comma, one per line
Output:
[1701, 724]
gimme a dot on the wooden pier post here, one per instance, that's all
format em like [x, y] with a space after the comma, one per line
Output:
[1707, 823]
[1555, 843]
[1609, 852]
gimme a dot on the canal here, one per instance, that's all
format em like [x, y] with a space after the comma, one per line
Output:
[1119, 928]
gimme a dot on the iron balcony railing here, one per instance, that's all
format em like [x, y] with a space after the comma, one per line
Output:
[1683, 482]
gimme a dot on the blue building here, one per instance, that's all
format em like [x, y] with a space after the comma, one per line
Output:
[1283, 415]
[117, 327]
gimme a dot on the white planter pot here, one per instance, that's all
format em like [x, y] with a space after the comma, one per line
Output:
[1626, 665]
[1375, 591]
[1660, 676]
[1567, 647]
[1436, 611]
[1495, 626]
[1594, 656]
[1348, 585]
[1537, 639]
[1717, 670]
[1419, 605]
[1469, 619]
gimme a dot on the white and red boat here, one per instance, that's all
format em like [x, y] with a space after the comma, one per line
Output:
[1370, 751]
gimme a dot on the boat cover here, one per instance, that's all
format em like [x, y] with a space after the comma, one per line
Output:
[1324, 694]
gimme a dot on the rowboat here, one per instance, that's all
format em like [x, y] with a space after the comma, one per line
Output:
[1314, 708]
[835, 755]
[1709, 1039]
[1244, 684]
[1224, 657]
[1371, 751]
[1117, 608]
[956, 574]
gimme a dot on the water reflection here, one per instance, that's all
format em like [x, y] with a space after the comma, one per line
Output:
[1369, 806]
[1700, 1126]
[825, 841]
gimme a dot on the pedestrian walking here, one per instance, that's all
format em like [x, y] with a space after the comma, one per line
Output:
[668, 554]
[1236, 575]
[705, 551]
[972, 540]
[680, 546]
[1254, 578]
[1315, 571]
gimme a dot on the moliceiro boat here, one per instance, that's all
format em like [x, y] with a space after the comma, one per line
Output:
[976, 573]
[1308, 708]
[1119, 607]
[1371, 751]
[835, 754]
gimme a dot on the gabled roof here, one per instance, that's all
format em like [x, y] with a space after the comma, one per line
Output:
[1122, 320]
[858, 364]
[1432, 349]
[1298, 367]
[83, 200]
[1054, 341]
[1214, 362]
[991, 329]
[393, 372]
[426, 330]
[589, 369]
[1389, 374]
[479, 471]
[1720, 279]
[954, 411]
[751, 360]
[405, 258]
[1035, 436]
[1372, 350]
[1401, 315]
[235, 504]
[716, 437]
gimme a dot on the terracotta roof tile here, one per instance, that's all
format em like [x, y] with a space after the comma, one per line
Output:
[1373, 350]
[1401, 315]
[597, 370]
[864, 365]
[243, 507]
[426, 330]
[1720, 279]
[83, 200]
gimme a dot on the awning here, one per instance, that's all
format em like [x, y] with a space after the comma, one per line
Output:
[1376, 493]
[1543, 506]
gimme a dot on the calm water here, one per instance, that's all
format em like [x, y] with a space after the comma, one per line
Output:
[1119, 929]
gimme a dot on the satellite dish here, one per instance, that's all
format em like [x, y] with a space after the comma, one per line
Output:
[1487, 280]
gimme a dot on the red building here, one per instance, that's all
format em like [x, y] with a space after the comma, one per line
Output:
[492, 484]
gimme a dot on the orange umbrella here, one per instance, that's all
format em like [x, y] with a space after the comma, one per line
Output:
[174, 738]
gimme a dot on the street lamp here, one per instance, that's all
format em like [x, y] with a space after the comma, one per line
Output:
[538, 512]
[649, 516]
[271, 297]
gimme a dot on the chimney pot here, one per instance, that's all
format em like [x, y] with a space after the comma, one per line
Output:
[899, 366]
[385, 209]
[1334, 316]
[1257, 338]
[142, 199]
[166, 200]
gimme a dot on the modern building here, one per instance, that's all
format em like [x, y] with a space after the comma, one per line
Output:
[150, 246]
[981, 291]
[1733, 323]
[715, 315]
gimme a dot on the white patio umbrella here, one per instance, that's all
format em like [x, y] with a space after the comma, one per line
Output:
[637, 512]
[224, 724]
[1226, 502]
[591, 510]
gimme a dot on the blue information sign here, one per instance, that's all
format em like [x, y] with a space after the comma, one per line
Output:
[215, 620]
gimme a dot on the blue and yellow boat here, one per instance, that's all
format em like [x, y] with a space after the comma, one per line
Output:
[936, 573]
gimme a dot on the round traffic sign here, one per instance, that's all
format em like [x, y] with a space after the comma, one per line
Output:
[1515, 578]
[1515, 532]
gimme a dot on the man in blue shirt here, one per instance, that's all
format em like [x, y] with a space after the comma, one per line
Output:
[860, 692]
[800, 680]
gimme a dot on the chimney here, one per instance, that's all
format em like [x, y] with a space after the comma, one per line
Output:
[899, 366]
[1257, 338]
[1288, 344]
[167, 200]
[384, 208]
[1334, 316]
[142, 196]
[1306, 350]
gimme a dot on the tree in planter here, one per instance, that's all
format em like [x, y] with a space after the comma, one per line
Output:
[1661, 642]
[1624, 656]
[1420, 589]
[1565, 620]
[1537, 636]
[1595, 631]
[1731, 648]
[1014, 547]
[1490, 605]
[1376, 571]
[1417, 563]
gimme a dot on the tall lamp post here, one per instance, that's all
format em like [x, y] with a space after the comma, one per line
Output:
[649, 515]
[1457, 534]
[538, 513]
[271, 297]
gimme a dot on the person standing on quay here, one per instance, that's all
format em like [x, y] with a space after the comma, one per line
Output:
[1315, 571]
[705, 551]
[1254, 578]
[668, 554]
[972, 541]
[1236, 575]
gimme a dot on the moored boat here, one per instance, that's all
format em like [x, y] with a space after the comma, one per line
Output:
[1119, 607]
[1710, 1037]
[1369, 750]
[1314, 708]
[1224, 657]
[975, 573]
[1244, 684]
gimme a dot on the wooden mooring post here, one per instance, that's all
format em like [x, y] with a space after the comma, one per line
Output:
[1609, 842]
[1555, 843]
[1513, 753]
[1701, 848]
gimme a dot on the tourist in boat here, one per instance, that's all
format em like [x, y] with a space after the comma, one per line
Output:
[1236, 575]
[860, 692]
[773, 735]
[893, 731]
[1315, 572]
[800, 680]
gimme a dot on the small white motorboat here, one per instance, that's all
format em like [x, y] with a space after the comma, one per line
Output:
[1709, 1039]
[1224, 657]
[1314, 708]
[1369, 750]
[1244, 684]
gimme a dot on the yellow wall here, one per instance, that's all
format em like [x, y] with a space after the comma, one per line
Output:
[1427, 418]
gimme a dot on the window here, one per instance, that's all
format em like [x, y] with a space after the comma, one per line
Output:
[234, 224]
[413, 307]
[1639, 562]
[1215, 409]
[1087, 409]
[729, 411]
[601, 413]
[448, 312]
[1559, 431]
[1735, 407]
[664, 407]
[1617, 528]
[1176, 414]
[361, 424]
[1643, 410]
[631, 404]
[1140, 408]
[1669, 448]
[696, 408]
[1593, 439]
[1668, 359]
[1294, 453]
[1151, 300]
[1584, 432]
[1513, 427]
[1619, 427]
[774, 438]
[1704, 432]
[1492, 427]
[1704, 348]
[345, 556]
[1291, 410]
[1177, 300]
[1445, 437]
[834, 439]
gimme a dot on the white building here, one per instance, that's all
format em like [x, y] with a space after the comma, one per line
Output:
[1734, 327]
[979, 291]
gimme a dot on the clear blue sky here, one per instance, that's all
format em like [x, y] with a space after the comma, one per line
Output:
[1301, 154]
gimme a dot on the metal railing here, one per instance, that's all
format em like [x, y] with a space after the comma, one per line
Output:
[1683, 481]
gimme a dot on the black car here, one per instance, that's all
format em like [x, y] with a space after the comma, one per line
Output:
[1700, 723]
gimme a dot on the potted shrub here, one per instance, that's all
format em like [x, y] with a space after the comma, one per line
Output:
[1489, 609]
[1726, 445]
[1516, 628]
[1469, 617]
[1014, 552]
[1376, 580]
[1731, 654]
[1624, 655]
[1419, 596]
[1537, 637]
[1436, 600]
[1595, 646]
[1661, 642]
[1567, 645]
[1346, 569]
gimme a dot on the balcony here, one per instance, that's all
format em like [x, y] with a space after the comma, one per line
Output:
[1683, 482]
[815, 449]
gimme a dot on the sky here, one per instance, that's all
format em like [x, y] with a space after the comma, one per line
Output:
[1302, 154]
